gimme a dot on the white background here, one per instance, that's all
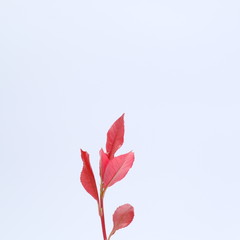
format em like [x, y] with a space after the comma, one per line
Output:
[69, 69]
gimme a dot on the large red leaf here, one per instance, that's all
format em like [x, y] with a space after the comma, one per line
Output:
[117, 169]
[104, 160]
[122, 217]
[115, 137]
[87, 177]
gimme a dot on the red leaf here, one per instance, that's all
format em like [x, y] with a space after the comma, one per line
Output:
[104, 160]
[87, 177]
[117, 169]
[122, 217]
[115, 137]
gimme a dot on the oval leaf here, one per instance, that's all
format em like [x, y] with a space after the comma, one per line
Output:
[122, 217]
[87, 177]
[115, 137]
[117, 169]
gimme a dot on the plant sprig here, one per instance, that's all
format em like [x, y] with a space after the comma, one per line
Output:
[112, 169]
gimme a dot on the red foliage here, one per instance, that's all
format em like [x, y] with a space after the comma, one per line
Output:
[115, 137]
[122, 217]
[87, 177]
[117, 169]
[104, 160]
[112, 169]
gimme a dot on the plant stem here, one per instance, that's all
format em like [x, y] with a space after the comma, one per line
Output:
[110, 235]
[101, 214]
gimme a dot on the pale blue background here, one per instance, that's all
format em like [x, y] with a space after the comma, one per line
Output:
[69, 69]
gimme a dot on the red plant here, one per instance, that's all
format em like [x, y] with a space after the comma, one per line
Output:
[112, 169]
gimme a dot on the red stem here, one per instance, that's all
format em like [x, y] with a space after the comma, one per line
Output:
[101, 214]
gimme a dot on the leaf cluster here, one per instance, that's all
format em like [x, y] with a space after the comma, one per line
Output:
[111, 169]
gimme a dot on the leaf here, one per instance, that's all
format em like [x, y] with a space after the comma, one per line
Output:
[87, 177]
[117, 169]
[104, 160]
[122, 217]
[115, 137]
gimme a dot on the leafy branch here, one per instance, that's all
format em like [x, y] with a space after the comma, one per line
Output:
[112, 169]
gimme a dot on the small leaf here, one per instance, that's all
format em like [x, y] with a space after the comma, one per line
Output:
[104, 160]
[115, 137]
[117, 169]
[87, 177]
[122, 217]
